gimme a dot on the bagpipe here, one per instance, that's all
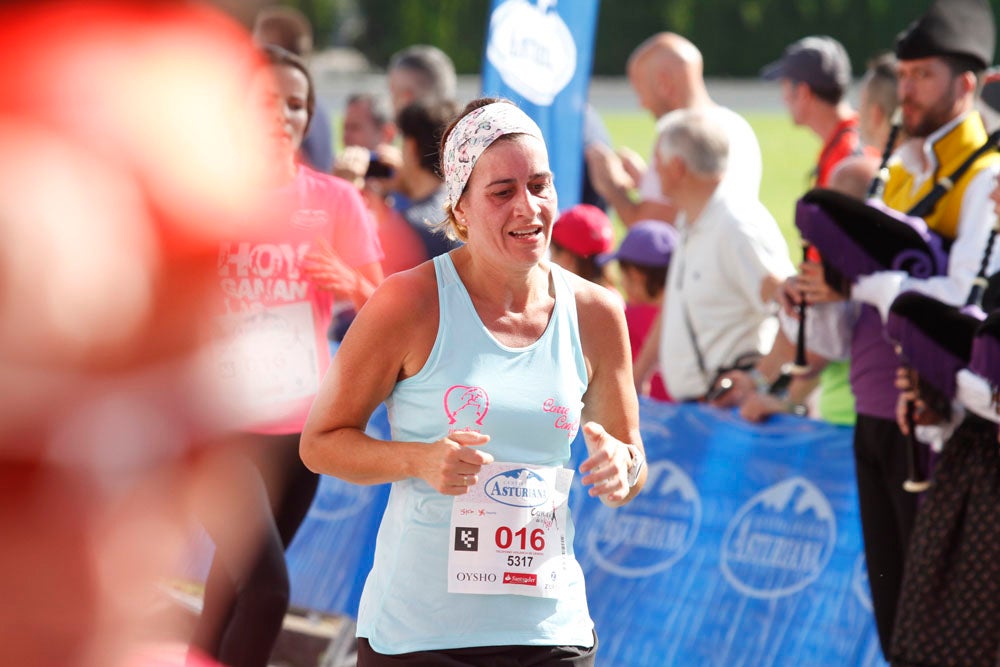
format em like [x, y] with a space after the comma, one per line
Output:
[856, 238]
[935, 340]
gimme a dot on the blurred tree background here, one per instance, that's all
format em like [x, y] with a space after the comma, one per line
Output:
[736, 37]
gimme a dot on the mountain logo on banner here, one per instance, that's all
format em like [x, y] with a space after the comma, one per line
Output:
[532, 49]
[652, 532]
[780, 540]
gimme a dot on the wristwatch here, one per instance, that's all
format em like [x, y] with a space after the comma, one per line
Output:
[635, 465]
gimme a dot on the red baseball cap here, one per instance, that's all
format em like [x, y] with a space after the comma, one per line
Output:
[584, 230]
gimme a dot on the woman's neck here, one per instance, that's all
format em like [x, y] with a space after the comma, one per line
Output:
[282, 170]
[504, 288]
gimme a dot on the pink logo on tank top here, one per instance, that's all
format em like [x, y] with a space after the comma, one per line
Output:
[472, 401]
[566, 419]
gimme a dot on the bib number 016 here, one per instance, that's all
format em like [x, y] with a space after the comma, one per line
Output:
[505, 538]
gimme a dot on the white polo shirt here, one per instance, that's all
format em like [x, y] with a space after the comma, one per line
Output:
[743, 168]
[715, 277]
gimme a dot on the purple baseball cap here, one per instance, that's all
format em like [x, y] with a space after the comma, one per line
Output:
[648, 243]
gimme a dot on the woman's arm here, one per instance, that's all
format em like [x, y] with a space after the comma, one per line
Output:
[389, 340]
[611, 408]
[330, 272]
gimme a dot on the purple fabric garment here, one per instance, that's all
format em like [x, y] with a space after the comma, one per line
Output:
[936, 365]
[859, 238]
[985, 361]
[934, 338]
[873, 367]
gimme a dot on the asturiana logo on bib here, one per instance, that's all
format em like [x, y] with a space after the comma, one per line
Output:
[780, 541]
[466, 406]
[518, 488]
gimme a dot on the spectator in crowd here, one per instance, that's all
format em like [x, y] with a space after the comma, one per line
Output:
[666, 73]
[419, 179]
[524, 355]
[814, 73]
[421, 73]
[315, 243]
[368, 122]
[580, 237]
[289, 28]
[727, 269]
[877, 102]
[369, 130]
[643, 261]
[828, 327]
[940, 57]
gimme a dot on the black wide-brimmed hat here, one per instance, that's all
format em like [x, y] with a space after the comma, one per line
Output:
[857, 238]
[963, 28]
[985, 358]
[933, 338]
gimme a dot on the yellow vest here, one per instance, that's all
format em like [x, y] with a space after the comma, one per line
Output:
[951, 150]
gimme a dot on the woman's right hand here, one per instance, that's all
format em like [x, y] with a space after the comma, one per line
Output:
[351, 165]
[454, 461]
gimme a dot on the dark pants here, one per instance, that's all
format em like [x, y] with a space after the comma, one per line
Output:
[247, 594]
[483, 656]
[887, 514]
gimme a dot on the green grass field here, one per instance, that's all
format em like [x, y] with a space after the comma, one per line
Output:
[789, 154]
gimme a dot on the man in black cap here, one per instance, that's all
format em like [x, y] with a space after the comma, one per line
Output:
[814, 73]
[940, 58]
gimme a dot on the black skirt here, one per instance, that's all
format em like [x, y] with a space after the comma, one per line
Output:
[949, 606]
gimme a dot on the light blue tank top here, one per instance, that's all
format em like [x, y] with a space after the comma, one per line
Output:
[528, 400]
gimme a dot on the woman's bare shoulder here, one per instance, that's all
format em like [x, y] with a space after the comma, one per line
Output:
[593, 300]
[410, 289]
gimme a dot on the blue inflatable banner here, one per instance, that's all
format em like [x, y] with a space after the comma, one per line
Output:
[539, 54]
[744, 548]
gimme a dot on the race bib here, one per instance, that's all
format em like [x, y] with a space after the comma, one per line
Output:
[267, 358]
[509, 533]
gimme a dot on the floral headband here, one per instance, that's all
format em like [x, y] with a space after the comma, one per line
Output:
[473, 134]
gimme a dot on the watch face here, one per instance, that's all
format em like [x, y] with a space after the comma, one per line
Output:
[635, 469]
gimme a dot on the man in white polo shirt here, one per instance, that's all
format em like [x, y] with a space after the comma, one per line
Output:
[728, 266]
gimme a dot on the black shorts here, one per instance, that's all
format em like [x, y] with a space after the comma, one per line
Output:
[483, 656]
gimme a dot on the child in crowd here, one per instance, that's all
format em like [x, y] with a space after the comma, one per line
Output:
[579, 237]
[643, 259]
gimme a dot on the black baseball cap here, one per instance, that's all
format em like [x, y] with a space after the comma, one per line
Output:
[819, 61]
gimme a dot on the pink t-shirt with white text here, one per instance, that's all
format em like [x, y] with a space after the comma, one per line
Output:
[271, 350]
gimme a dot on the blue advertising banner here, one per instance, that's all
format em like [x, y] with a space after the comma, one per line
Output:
[539, 54]
[744, 548]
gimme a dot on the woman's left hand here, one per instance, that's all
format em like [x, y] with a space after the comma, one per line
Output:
[606, 469]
